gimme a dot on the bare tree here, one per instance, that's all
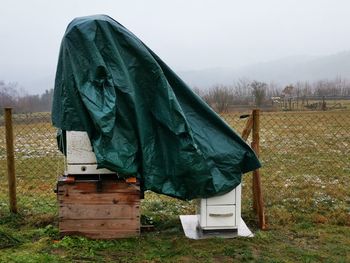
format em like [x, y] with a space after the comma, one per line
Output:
[21, 101]
[259, 92]
[241, 88]
[219, 98]
[8, 94]
[288, 90]
[273, 90]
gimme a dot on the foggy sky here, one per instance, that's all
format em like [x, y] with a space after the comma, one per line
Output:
[186, 34]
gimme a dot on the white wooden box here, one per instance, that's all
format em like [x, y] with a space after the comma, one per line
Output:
[220, 212]
[80, 156]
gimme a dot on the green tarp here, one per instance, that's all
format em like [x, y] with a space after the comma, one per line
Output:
[141, 118]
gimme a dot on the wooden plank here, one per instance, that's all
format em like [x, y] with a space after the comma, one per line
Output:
[85, 225]
[103, 234]
[254, 186]
[11, 173]
[258, 201]
[99, 198]
[248, 128]
[106, 187]
[111, 192]
[89, 211]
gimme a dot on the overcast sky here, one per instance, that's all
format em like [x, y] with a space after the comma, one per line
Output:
[186, 34]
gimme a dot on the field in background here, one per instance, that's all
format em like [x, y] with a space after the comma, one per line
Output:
[305, 177]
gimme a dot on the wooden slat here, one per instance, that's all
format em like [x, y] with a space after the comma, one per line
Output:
[89, 211]
[84, 225]
[11, 173]
[99, 198]
[106, 187]
[103, 234]
[248, 128]
[258, 202]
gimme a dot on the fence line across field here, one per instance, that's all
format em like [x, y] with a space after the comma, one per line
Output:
[312, 145]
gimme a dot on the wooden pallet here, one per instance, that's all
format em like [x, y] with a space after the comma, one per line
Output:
[104, 209]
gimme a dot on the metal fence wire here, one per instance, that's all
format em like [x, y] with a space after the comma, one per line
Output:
[37, 162]
[305, 157]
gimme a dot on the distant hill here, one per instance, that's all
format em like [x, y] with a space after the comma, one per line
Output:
[283, 71]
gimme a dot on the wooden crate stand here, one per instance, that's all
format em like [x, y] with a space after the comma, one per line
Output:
[104, 209]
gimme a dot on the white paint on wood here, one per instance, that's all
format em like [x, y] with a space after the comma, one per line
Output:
[80, 156]
[220, 212]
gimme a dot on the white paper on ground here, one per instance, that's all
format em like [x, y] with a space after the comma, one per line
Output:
[192, 230]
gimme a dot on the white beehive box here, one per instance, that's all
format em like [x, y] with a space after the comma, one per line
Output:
[221, 212]
[80, 156]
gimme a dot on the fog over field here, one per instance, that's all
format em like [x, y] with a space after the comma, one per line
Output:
[206, 42]
[282, 71]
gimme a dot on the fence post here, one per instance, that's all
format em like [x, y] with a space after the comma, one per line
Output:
[258, 202]
[248, 128]
[10, 160]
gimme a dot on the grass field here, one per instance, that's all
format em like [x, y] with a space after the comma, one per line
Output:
[305, 176]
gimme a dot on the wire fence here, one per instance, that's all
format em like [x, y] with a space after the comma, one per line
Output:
[305, 157]
[37, 162]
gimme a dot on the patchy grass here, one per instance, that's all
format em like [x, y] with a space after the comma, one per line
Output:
[305, 175]
[304, 242]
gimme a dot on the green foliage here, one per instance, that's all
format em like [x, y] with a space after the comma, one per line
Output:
[7, 239]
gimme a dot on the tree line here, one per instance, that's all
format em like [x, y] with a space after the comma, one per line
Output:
[219, 97]
[259, 94]
[22, 102]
